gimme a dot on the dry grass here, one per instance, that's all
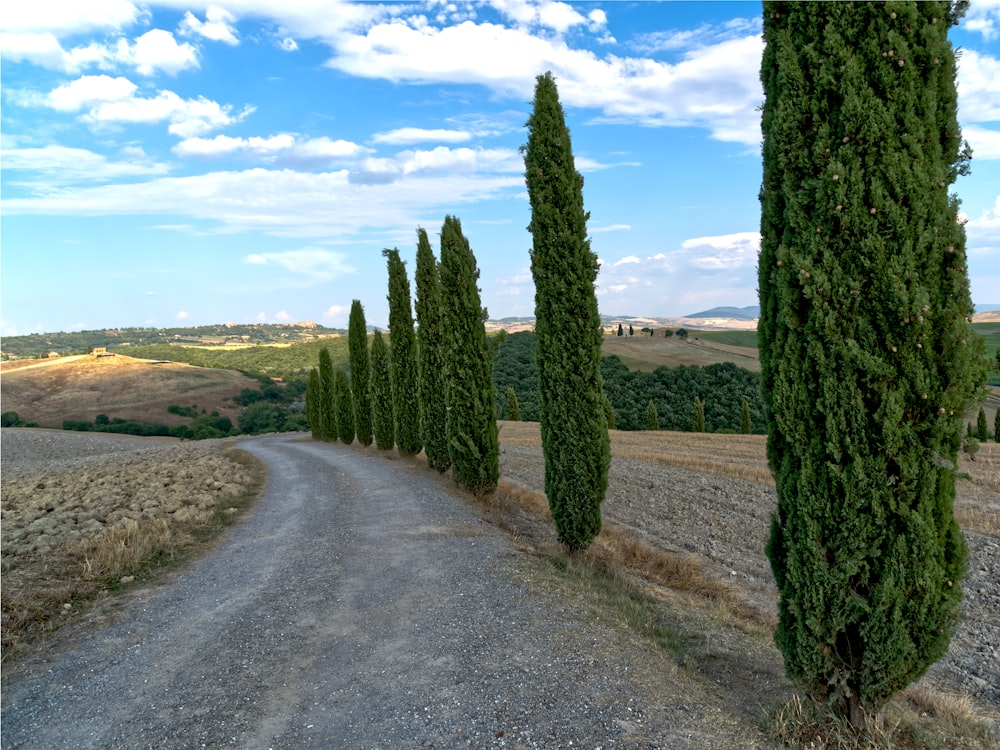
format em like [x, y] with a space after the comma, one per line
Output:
[917, 719]
[43, 592]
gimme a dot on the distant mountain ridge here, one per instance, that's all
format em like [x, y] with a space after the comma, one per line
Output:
[736, 313]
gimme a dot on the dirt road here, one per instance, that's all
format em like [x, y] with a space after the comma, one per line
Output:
[359, 605]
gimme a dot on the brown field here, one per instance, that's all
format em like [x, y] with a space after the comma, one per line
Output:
[977, 503]
[646, 353]
[80, 387]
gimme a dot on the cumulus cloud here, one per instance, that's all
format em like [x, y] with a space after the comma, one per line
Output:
[983, 17]
[723, 252]
[978, 87]
[219, 25]
[111, 101]
[285, 149]
[317, 265]
[715, 86]
[70, 17]
[985, 142]
[627, 260]
[440, 160]
[610, 228]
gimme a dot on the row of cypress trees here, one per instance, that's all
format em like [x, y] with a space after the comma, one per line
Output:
[429, 390]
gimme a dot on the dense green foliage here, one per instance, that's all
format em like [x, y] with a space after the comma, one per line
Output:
[344, 407]
[982, 428]
[473, 442]
[573, 423]
[868, 363]
[746, 426]
[652, 420]
[10, 419]
[314, 409]
[381, 390]
[996, 426]
[723, 387]
[360, 373]
[328, 398]
[513, 411]
[698, 414]
[403, 358]
[431, 354]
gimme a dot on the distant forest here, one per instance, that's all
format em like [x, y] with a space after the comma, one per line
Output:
[721, 387]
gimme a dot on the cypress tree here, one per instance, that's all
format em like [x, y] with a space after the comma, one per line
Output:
[345, 407]
[652, 420]
[745, 426]
[609, 413]
[357, 341]
[431, 353]
[698, 412]
[982, 429]
[381, 394]
[867, 360]
[313, 407]
[402, 358]
[573, 421]
[996, 426]
[473, 442]
[513, 408]
[328, 399]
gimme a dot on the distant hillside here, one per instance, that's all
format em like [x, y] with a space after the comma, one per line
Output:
[737, 313]
[229, 336]
[81, 387]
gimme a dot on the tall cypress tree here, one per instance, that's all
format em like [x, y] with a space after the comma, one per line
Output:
[403, 358]
[513, 407]
[431, 354]
[381, 395]
[573, 423]
[745, 426]
[652, 419]
[313, 408]
[345, 407]
[698, 412]
[982, 428]
[473, 442]
[328, 399]
[357, 341]
[867, 361]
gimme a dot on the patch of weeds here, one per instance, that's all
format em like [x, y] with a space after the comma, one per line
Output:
[915, 720]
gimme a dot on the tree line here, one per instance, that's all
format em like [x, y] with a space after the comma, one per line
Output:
[722, 388]
[431, 388]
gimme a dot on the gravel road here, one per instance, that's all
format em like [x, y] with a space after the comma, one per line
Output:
[359, 605]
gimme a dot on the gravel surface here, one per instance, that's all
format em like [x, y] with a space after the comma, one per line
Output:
[361, 604]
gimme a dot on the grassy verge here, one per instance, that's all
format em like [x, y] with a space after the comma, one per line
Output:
[43, 593]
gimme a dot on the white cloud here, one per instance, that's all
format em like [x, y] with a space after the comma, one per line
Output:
[90, 91]
[557, 16]
[69, 165]
[279, 202]
[217, 26]
[983, 17]
[984, 231]
[723, 252]
[288, 45]
[716, 86]
[611, 228]
[285, 149]
[158, 50]
[337, 314]
[282, 316]
[69, 17]
[985, 142]
[440, 160]
[978, 87]
[407, 136]
[319, 266]
[627, 260]
[182, 315]
[110, 101]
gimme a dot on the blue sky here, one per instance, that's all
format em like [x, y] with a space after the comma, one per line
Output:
[186, 163]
